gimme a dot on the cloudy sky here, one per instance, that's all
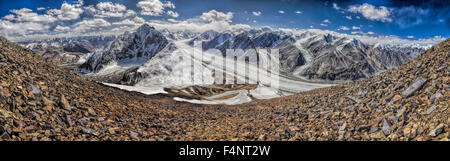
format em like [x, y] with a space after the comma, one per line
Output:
[53, 18]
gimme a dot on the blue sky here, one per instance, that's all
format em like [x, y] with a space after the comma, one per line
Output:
[406, 19]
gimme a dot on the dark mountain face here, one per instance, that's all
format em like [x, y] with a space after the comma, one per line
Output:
[79, 46]
[331, 57]
[343, 59]
[290, 56]
[267, 39]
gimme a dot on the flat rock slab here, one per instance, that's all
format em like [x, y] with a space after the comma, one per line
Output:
[414, 87]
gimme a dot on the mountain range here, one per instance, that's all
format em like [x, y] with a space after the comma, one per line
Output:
[309, 55]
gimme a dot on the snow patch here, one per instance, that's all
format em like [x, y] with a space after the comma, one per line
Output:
[144, 90]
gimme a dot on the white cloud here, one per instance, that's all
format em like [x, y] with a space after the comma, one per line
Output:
[410, 37]
[326, 21]
[323, 24]
[67, 11]
[136, 21]
[219, 26]
[362, 33]
[298, 12]
[256, 13]
[356, 28]
[211, 20]
[130, 13]
[169, 4]
[109, 9]
[40, 8]
[348, 17]
[172, 20]
[335, 6]
[10, 29]
[281, 11]
[87, 25]
[59, 28]
[26, 15]
[370, 12]
[153, 7]
[214, 16]
[9, 17]
[344, 28]
[172, 14]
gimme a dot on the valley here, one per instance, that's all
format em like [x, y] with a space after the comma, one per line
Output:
[151, 60]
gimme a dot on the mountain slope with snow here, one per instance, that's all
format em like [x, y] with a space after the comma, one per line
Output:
[149, 58]
[135, 47]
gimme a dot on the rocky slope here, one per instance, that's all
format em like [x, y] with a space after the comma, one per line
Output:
[40, 101]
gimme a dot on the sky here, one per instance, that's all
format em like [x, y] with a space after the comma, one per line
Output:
[52, 18]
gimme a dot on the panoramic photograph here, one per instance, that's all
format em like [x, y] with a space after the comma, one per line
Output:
[224, 70]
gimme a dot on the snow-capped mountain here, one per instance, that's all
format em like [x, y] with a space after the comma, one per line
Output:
[148, 56]
[137, 47]
[66, 50]
[341, 58]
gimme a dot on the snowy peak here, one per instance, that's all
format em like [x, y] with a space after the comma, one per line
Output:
[145, 28]
[267, 39]
[136, 48]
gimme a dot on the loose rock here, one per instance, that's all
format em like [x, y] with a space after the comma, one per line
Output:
[438, 130]
[414, 87]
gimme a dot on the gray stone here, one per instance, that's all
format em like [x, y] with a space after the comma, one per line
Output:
[394, 119]
[414, 87]
[277, 136]
[431, 109]
[434, 96]
[87, 130]
[398, 86]
[342, 128]
[34, 138]
[386, 128]
[442, 67]
[34, 90]
[354, 99]
[2, 96]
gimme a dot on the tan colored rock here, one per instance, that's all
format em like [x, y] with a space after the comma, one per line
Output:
[436, 131]
[396, 98]
[48, 104]
[64, 103]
